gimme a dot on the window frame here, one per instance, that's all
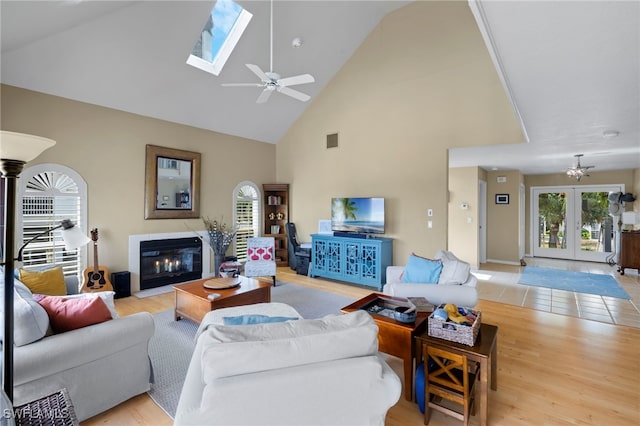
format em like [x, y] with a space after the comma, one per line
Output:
[257, 215]
[81, 220]
[228, 45]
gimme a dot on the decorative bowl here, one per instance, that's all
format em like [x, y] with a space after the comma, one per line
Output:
[402, 316]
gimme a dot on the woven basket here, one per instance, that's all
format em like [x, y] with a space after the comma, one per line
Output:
[454, 332]
[51, 410]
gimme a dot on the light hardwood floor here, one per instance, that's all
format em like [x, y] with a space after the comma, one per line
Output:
[553, 369]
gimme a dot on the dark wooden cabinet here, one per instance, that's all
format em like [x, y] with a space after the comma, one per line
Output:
[629, 251]
[276, 215]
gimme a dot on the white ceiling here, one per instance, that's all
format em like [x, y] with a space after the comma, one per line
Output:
[131, 56]
[572, 69]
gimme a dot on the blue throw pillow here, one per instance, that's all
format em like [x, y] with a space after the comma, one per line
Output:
[421, 270]
[254, 319]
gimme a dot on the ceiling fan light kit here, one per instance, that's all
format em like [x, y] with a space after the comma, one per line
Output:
[578, 171]
[271, 81]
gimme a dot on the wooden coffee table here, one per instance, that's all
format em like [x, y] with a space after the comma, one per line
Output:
[395, 338]
[192, 300]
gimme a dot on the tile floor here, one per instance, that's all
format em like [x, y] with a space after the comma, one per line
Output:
[499, 283]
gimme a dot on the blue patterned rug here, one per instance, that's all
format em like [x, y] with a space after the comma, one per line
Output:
[580, 282]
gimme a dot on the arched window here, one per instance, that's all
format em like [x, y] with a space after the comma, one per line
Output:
[247, 213]
[48, 194]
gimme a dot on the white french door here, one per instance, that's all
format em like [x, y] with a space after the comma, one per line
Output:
[573, 222]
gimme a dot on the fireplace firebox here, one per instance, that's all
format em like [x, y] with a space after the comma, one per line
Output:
[170, 261]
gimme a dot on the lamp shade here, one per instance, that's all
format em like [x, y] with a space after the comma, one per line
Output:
[22, 147]
[74, 238]
[631, 218]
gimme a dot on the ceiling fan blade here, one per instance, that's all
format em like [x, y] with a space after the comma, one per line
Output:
[264, 96]
[294, 94]
[242, 84]
[257, 71]
[297, 79]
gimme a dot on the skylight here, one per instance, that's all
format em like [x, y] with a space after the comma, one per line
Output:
[227, 21]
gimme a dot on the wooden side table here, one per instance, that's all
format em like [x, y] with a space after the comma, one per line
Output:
[485, 352]
[395, 338]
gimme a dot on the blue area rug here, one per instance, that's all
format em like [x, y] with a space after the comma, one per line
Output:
[580, 282]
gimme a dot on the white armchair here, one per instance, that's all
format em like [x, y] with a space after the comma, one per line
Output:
[304, 372]
[261, 258]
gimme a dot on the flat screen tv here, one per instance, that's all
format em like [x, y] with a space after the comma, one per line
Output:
[361, 215]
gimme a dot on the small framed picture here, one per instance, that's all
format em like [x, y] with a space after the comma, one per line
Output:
[324, 227]
[502, 198]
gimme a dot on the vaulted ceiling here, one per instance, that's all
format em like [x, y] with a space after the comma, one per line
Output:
[571, 69]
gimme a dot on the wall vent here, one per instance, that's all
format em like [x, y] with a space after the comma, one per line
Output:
[332, 140]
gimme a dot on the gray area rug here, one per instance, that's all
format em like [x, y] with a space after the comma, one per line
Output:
[172, 343]
[310, 303]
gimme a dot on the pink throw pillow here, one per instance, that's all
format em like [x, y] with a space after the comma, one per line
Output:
[70, 314]
[260, 253]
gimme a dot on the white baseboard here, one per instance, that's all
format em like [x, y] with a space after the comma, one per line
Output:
[504, 262]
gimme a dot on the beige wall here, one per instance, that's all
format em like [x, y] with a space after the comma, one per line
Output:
[422, 82]
[463, 223]
[107, 148]
[612, 177]
[503, 220]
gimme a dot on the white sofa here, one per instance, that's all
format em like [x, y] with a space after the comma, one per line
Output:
[303, 372]
[456, 284]
[100, 365]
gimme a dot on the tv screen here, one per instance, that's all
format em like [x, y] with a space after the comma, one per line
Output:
[362, 215]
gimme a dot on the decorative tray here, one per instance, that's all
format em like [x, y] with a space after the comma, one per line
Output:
[222, 283]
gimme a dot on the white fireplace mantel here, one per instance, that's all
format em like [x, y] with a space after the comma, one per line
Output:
[134, 253]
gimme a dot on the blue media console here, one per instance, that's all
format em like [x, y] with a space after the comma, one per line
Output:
[361, 261]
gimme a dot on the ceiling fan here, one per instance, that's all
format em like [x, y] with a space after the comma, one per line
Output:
[272, 82]
[578, 171]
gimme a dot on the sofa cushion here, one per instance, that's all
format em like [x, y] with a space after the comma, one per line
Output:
[421, 270]
[50, 281]
[69, 314]
[30, 319]
[230, 351]
[454, 270]
[106, 296]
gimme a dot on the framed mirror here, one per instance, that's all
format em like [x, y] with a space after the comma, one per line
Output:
[172, 183]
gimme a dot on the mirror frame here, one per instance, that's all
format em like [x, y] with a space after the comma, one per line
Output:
[151, 183]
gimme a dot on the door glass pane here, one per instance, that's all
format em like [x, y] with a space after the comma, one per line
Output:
[597, 225]
[552, 212]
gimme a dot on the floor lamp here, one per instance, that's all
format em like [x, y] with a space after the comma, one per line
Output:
[16, 149]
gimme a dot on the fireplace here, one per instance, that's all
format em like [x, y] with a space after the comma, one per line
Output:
[170, 261]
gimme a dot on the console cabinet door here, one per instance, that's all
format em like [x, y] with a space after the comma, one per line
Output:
[319, 257]
[370, 263]
[352, 261]
[335, 249]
